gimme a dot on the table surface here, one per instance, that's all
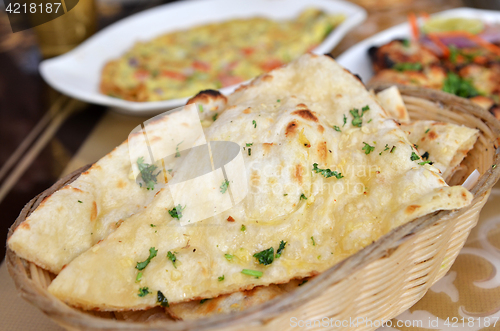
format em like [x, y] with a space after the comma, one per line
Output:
[470, 289]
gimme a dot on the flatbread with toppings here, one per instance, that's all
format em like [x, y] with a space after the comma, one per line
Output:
[76, 217]
[443, 144]
[328, 173]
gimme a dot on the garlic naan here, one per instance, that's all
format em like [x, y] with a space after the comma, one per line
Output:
[445, 144]
[328, 174]
[392, 102]
[73, 219]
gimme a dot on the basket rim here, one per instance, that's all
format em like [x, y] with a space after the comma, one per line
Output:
[264, 312]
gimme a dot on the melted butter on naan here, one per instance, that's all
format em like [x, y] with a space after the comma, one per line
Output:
[76, 217]
[323, 220]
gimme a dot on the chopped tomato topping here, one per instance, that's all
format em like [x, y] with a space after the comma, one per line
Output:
[271, 64]
[173, 75]
[228, 80]
[141, 74]
[201, 66]
[311, 48]
[248, 50]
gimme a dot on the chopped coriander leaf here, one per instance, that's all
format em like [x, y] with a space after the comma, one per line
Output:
[453, 54]
[144, 264]
[176, 212]
[200, 107]
[278, 100]
[314, 243]
[407, 66]
[406, 43]
[214, 118]
[494, 166]
[327, 173]
[228, 257]
[147, 173]
[336, 128]
[80, 201]
[243, 227]
[162, 299]
[425, 162]
[285, 194]
[249, 152]
[345, 120]
[385, 149]
[415, 145]
[454, 84]
[152, 225]
[177, 152]
[254, 124]
[302, 196]
[202, 301]
[171, 256]
[250, 272]
[427, 131]
[265, 257]
[357, 121]
[392, 149]
[139, 277]
[143, 291]
[221, 278]
[249, 144]
[280, 248]
[223, 187]
[425, 156]
[414, 156]
[367, 148]
[305, 281]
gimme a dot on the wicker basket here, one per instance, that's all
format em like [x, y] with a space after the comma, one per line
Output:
[377, 283]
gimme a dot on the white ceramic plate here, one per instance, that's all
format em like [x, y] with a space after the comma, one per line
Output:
[77, 73]
[356, 58]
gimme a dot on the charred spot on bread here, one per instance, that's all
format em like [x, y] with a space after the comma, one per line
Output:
[206, 96]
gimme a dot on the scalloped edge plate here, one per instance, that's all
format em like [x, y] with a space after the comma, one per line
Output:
[78, 72]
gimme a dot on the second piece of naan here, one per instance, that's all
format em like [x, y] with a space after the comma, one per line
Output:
[445, 144]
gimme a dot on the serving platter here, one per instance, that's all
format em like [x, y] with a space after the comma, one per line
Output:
[78, 72]
[356, 58]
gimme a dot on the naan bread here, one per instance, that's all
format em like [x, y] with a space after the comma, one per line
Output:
[288, 117]
[446, 144]
[233, 302]
[224, 304]
[76, 217]
[392, 102]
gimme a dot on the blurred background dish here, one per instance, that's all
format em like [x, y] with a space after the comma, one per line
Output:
[455, 51]
[78, 72]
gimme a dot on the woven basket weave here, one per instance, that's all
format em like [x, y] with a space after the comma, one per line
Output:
[377, 283]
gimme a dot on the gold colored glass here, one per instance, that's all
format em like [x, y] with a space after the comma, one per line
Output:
[64, 33]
